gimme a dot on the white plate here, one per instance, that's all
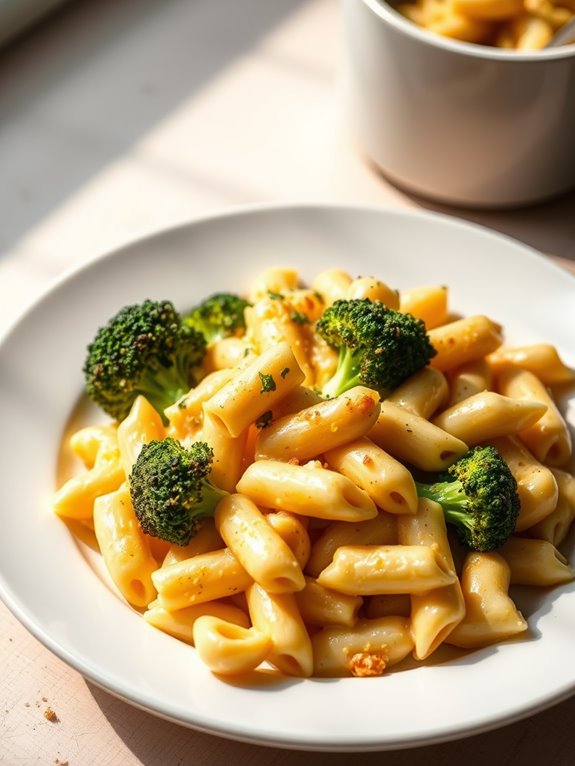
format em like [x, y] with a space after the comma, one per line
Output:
[44, 576]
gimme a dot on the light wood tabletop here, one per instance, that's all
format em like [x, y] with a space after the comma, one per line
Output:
[122, 117]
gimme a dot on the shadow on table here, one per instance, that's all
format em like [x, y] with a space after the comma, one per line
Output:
[100, 74]
[544, 738]
[548, 226]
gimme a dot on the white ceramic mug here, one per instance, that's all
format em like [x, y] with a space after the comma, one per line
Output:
[465, 124]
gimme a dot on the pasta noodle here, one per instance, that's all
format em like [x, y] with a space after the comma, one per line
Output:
[514, 24]
[318, 557]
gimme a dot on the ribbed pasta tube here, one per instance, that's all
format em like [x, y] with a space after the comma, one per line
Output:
[323, 426]
[124, 547]
[257, 546]
[367, 649]
[308, 490]
[365, 570]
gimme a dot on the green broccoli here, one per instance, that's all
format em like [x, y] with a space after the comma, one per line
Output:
[144, 349]
[218, 316]
[170, 489]
[378, 347]
[479, 497]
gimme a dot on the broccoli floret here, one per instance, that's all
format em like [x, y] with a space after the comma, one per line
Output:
[170, 489]
[219, 316]
[144, 349]
[479, 497]
[378, 347]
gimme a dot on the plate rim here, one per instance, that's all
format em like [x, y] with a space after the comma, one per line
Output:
[22, 613]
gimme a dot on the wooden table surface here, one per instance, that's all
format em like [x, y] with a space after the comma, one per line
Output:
[121, 117]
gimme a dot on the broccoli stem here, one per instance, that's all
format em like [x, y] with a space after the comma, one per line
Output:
[163, 387]
[346, 375]
[451, 496]
[211, 496]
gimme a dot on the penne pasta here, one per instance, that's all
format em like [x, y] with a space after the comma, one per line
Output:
[206, 538]
[463, 341]
[292, 530]
[422, 393]
[435, 613]
[321, 606]
[180, 623]
[185, 415]
[320, 427]
[536, 562]
[415, 440]
[257, 546]
[542, 359]
[381, 530]
[75, 498]
[367, 649]
[124, 547]
[277, 616]
[374, 290]
[548, 438]
[366, 570]
[314, 554]
[228, 648]
[273, 320]
[555, 526]
[307, 490]
[273, 280]
[142, 425]
[427, 302]
[256, 389]
[490, 615]
[387, 481]
[229, 452]
[536, 484]
[488, 415]
[204, 577]
[332, 285]
[469, 379]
